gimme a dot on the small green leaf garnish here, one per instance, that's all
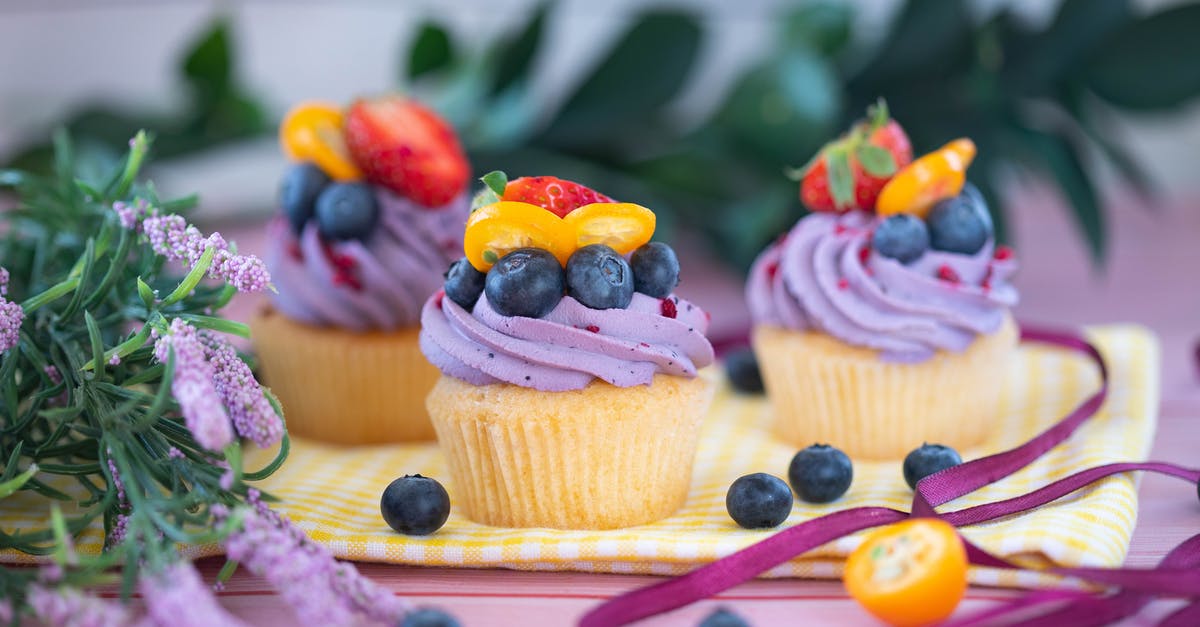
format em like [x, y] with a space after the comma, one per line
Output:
[483, 198]
[490, 256]
[496, 181]
[841, 180]
[877, 161]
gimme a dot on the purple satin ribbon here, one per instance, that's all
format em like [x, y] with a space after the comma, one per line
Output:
[1178, 575]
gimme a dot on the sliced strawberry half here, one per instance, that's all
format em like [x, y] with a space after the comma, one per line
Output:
[403, 146]
[557, 195]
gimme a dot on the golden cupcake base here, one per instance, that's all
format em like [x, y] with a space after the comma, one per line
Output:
[824, 391]
[602, 457]
[344, 387]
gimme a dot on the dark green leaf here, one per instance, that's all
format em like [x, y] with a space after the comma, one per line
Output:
[1150, 64]
[841, 179]
[514, 57]
[926, 37]
[642, 71]
[784, 109]
[822, 26]
[431, 51]
[1079, 28]
[877, 161]
[1059, 157]
[208, 64]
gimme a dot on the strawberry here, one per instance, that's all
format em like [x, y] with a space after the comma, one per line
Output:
[407, 148]
[552, 193]
[849, 172]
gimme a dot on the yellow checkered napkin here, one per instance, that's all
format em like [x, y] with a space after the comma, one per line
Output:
[333, 493]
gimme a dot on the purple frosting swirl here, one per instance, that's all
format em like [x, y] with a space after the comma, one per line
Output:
[376, 284]
[819, 278]
[569, 347]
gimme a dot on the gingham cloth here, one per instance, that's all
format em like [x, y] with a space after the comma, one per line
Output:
[333, 493]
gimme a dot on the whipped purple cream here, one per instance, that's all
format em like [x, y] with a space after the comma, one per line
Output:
[375, 284]
[569, 347]
[824, 276]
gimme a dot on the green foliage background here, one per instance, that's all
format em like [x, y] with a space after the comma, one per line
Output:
[1037, 101]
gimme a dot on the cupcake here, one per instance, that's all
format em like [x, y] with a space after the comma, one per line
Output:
[569, 395]
[372, 214]
[881, 319]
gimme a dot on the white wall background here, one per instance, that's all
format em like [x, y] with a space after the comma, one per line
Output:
[57, 54]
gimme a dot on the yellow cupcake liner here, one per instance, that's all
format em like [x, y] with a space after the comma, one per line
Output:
[598, 458]
[822, 390]
[344, 387]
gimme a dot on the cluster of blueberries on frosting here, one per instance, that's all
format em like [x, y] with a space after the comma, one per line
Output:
[960, 224]
[342, 210]
[530, 282]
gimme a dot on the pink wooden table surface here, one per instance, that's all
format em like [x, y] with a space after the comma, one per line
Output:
[1150, 279]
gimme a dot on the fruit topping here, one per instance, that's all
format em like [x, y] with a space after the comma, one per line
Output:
[909, 573]
[723, 617]
[960, 224]
[935, 176]
[622, 226]
[668, 309]
[428, 617]
[820, 474]
[902, 237]
[407, 148]
[947, 274]
[741, 366]
[525, 282]
[927, 460]
[850, 172]
[464, 283]
[415, 505]
[497, 229]
[314, 131]
[553, 194]
[655, 269]
[302, 183]
[347, 211]
[599, 278]
[758, 501]
[1004, 253]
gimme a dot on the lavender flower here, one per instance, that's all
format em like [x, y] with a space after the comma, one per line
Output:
[252, 413]
[11, 316]
[193, 386]
[6, 612]
[178, 597]
[171, 236]
[174, 453]
[320, 589]
[68, 607]
[119, 530]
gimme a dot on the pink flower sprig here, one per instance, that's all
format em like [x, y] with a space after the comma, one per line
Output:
[178, 597]
[70, 607]
[171, 236]
[253, 416]
[11, 316]
[193, 386]
[320, 589]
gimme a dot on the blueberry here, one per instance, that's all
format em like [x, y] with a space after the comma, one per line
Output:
[428, 617]
[599, 277]
[347, 211]
[927, 460]
[415, 505]
[302, 183]
[960, 224]
[820, 474]
[526, 282]
[722, 617]
[902, 237]
[742, 369]
[758, 501]
[464, 283]
[655, 269]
